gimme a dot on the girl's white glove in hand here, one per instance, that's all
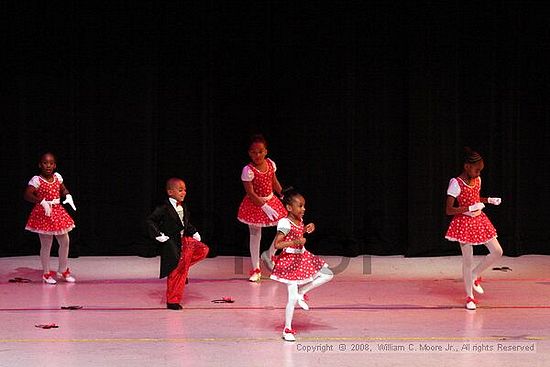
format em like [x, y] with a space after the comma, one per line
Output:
[476, 206]
[47, 207]
[270, 212]
[494, 201]
[69, 200]
[162, 237]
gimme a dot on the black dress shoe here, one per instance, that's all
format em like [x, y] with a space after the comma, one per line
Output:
[174, 306]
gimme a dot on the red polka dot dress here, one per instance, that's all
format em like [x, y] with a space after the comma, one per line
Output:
[295, 265]
[463, 228]
[59, 222]
[262, 183]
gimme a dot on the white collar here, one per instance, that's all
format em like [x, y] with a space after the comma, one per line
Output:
[174, 203]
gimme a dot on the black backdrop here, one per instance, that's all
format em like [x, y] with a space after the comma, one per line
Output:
[366, 105]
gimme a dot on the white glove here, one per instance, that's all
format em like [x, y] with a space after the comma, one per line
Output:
[270, 212]
[197, 236]
[473, 214]
[47, 207]
[494, 201]
[162, 237]
[476, 206]
[69, 200]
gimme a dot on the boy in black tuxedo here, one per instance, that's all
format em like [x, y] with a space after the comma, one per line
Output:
[181, 247]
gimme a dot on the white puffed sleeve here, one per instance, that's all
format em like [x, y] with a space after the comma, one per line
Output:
[59, 178]
[273, 164]
[247, 174]
[283, 226]
[453, 189]
[34, 182]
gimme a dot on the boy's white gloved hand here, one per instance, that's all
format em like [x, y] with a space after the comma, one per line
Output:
[162, 237]
[494, 201]
[197, 236]
[476, 206]
[69, 200]
[270, 212]
[47, 207]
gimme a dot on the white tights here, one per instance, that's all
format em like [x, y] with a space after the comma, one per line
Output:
[495, 252]
[255, 240]
[294, 294]
[46, 247]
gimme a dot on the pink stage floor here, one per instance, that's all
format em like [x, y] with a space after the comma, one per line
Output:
[378, 311]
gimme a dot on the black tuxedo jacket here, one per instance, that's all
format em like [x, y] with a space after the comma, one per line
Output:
[165, 219]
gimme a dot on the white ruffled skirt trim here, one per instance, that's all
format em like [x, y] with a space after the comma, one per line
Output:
[55, 233]
[299, 281]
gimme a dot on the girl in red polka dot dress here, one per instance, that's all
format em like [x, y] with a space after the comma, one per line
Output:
[260, 207]
[470, 226]
[296, 266]
[49, 218]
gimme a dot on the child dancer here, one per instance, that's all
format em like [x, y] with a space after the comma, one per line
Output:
[181, 247]
[295, 265]
[260, 208]
[470, 226]
[48, 218]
